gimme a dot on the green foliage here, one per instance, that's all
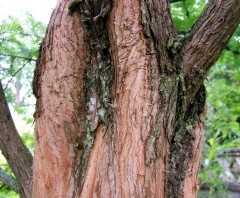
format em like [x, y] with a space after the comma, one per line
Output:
[18, 52]
[6, 192]
[185, 13]
[222, 129]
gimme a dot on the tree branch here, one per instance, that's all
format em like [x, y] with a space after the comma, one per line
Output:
[231, 186]
[9, 181]
[173, 1]
[15, 56]
[16, 74]
[14, 150]
[234, 152]
[207, 39]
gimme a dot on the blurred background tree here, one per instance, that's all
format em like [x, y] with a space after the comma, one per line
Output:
[19, 43]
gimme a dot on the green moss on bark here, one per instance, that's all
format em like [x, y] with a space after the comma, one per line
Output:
[98, 78]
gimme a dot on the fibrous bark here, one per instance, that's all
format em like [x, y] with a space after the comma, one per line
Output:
[117, 112]
[58, 85]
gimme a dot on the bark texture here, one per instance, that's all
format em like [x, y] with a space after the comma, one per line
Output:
[16, 153]
[118, 111]
[60, 114]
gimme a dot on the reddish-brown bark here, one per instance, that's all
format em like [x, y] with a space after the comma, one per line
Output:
[60, 106]
[151, 146]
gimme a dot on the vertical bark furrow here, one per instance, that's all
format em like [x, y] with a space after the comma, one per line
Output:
[177, 120]
[124, 173]
[98, 75]
[183, 141]
[155, 18]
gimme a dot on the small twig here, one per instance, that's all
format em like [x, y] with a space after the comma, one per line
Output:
[16, 73]
[15, 56]
[8, 181]
[231, 186]
[234, 152]
[173, 1]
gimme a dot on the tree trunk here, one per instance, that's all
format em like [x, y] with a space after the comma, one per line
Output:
[121, 101]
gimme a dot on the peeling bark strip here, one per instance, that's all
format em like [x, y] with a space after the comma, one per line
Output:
[99, 73]
[60, 111]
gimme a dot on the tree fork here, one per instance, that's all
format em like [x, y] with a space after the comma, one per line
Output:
[135, 133]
